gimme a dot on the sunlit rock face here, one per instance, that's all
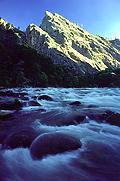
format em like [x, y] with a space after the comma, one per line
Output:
[46, 45]
[9, 34]
[65, 43]
[70, 45]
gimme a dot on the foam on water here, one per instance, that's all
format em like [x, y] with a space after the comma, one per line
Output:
[100, 151]
[97, 160]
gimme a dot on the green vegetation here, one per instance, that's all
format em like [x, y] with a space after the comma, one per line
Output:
[108, 78]
[22, 66]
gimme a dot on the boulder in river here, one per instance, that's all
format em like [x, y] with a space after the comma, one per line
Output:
[53, 143]
[33, 103]
[22, 138]
[58, 118]
[5, 115]
[75, 103]
[113, 118]
[10, 93]
[45, 97]
[10, 104]
[108, 117]
[7, 93]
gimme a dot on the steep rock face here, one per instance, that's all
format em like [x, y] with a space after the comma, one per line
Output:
[65, 43]
[9, 34]
[68, 44]
[116, 43]
[46, 45]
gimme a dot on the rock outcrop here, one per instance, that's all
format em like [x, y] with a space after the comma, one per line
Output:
[65, 43]
[116, 43]
[9, 34]
[70, 45]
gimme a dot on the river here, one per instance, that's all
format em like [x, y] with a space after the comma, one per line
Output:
[99, 157]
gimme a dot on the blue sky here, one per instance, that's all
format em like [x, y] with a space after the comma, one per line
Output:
[100, 17]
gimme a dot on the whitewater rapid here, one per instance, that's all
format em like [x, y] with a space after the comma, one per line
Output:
[99, 157]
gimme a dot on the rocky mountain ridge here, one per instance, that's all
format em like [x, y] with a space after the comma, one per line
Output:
[116, 43]
[66, 44]
[9, 34]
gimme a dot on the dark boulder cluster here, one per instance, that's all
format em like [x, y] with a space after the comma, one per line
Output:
[22, 138]
[10, 104]
[45, 97]
[44, 142]
[106, 117]
[10, 93]
[56, 118]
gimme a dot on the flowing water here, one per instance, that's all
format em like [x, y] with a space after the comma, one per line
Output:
[99, 157]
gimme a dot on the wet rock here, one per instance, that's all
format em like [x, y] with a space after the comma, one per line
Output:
[23, 93]
[25, 98]
[21, 139]
[92, 106]
[38, 89]
[10, 104]
[5, 115]
[45, 97]
[108, 117]
[7, 93]
[76, 103]
[53, 143]
[113, 118]
[40, 110]
[34, 97]
[13, 94]
[33, 103]
[99, 117]
[57, 118]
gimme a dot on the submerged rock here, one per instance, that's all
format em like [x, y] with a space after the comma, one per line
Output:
[33, 103]
[56, 118]
[76, 103]
[5, 115]
[10, 104]
[45, 97]
[10, 93]
[53, 143]
[25, 98]
[108, 117]
[34, 97]
[99, 117]
[7, 93]
[113, 118]
[21, 139]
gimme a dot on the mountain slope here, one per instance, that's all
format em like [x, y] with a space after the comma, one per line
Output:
[9, 34]
[59, 54]
[68, 44]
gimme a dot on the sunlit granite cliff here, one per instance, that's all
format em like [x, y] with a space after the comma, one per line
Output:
[57, 53]
[70, 45]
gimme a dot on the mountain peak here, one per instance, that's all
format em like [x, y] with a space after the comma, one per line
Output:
[4, 24]
[47, 13]
[68, 44]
